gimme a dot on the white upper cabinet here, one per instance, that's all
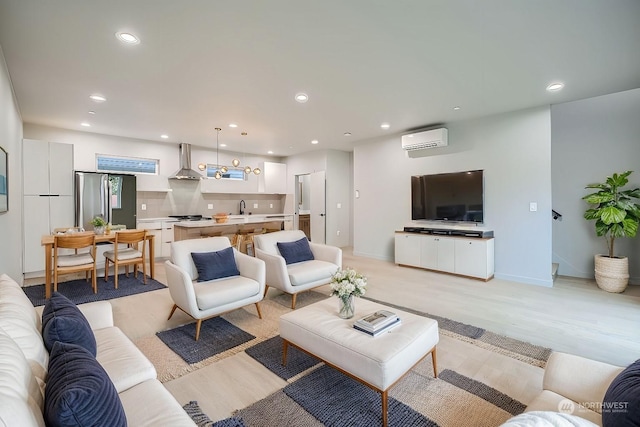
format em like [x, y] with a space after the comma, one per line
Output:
[273, 179]
[158, 183]
[48, 168]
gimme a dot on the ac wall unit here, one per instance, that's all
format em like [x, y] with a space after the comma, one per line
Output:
[426, 139]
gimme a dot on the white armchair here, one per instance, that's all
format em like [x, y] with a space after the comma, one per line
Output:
[202, 300]
[300, 276]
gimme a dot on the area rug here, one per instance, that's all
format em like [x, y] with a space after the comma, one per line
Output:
[216, 335]
[457, 398]
[202, 420]
[80, 291]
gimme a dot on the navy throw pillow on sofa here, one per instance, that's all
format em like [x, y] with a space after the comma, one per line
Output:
[63, 321]
[215, 265]
[297, 251]
[79, 392]
[621, 404]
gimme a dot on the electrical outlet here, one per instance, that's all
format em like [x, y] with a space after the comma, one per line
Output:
[338, 233]
[210, 206]
[533, 207]
[339, 205]
[143, 207]
[255, 206]
[270, 205]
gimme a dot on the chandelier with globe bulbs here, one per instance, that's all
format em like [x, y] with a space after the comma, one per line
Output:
[220, 170]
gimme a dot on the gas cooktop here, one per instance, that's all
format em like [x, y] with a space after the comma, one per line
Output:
[191, 217]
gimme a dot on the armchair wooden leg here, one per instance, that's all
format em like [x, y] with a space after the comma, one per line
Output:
[173, 310]
[258, 308]
[266, 288]
[198, 324]
[293, 301]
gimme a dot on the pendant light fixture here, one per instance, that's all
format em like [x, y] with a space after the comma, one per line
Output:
[218, 173]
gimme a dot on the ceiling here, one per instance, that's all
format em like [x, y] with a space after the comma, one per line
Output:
[202, 64]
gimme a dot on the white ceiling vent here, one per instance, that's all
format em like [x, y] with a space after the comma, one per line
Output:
[426, 139]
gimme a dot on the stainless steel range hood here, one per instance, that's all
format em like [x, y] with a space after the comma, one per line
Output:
[185, 171]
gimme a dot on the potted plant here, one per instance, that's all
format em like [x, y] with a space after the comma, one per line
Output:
[99, 224]
[616, 215]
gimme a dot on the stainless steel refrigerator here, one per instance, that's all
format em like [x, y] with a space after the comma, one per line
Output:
[111, 196]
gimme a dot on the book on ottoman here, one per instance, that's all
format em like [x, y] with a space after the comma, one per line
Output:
[378, 322]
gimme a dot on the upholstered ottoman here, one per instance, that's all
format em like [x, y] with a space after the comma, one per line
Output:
[378, 362]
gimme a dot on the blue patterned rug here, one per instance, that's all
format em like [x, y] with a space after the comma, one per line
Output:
[80, 291]
[269, 353]
[216, 335]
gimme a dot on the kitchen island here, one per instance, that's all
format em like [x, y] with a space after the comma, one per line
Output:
[235, 224]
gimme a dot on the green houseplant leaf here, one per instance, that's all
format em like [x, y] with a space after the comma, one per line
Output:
[613, 209]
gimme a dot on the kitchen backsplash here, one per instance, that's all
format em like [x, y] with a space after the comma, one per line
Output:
[186, 201]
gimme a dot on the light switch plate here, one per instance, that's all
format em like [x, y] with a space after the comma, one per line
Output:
[210, 206]
[270, 205]
[533, 207]
[339, 206]
[143, 207]
[255, 206]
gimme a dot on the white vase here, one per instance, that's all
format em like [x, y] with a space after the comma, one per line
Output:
[346, 308]
[99, 230]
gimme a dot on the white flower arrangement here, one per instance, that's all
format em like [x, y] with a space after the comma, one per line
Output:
[348, 282]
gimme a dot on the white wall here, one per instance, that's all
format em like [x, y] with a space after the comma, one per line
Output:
[514, 151]
[11, 141]
[591, 139]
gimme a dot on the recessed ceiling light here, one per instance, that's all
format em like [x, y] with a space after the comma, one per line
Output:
[163, 136]
[385, 125]
[302, 97]
[85, 124]
[347, 134]
[315, 141]
[269, 152]
[97, 98]
[127, 37]
[456, 108]
[554, 87]
[233, 125]
[92, 112]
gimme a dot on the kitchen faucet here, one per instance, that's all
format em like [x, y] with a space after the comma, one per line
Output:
[242, 207]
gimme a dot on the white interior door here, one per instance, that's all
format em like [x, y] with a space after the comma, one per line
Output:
[318, 207]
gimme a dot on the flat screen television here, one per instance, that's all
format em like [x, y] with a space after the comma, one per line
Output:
[448, 197]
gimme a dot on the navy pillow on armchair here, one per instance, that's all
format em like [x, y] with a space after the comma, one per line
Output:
[215, 265]
[297, 251]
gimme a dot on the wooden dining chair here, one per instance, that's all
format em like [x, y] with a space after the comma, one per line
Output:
[77, 261]
[134, 254]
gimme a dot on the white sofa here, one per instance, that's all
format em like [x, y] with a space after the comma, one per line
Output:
[299, 276]
[145, 400]
[582, 381]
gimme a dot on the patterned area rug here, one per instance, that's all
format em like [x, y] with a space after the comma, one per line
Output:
[216, 335]
[80, 291]
[451, 400]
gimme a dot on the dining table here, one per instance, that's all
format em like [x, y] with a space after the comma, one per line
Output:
[47, 242]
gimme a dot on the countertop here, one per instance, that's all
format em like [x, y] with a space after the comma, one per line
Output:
[233, 219]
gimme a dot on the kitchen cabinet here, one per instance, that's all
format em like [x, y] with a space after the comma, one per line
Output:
[155, 183]
[304, 224]
[47, 196]
[273, 179]
[162, 232]
[471, 257]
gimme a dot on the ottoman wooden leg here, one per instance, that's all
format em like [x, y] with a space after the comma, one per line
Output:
[385, 408]
[435, 363]
[285, 347]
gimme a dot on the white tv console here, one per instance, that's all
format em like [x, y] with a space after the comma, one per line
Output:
[453, 251]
